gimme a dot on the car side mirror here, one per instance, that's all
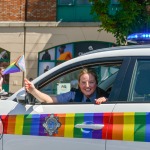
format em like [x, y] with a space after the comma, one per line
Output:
[21, 97]
[24, 97]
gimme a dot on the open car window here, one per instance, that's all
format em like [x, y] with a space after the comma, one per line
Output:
[106, 76]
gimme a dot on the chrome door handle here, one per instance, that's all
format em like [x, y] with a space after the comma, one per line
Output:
[90, 126]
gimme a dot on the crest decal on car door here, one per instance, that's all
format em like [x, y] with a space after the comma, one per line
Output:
[51, 124]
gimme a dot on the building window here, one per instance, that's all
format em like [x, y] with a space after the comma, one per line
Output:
[74, 11]
[65, 2]
[51, 57]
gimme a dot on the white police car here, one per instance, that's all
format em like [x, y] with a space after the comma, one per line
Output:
[123, 122]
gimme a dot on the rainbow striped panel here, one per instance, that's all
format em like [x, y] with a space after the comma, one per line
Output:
[127, 126]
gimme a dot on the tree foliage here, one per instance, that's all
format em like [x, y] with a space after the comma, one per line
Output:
[130, 17]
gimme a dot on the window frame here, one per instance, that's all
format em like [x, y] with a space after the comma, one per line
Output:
[75, 12]
[134, 81]
[91, 62]
[127, 83]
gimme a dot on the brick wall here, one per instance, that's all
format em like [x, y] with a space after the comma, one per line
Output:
[29, 10]
[41, 10]
[12, 10]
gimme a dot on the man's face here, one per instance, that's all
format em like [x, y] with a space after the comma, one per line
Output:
[87, 84]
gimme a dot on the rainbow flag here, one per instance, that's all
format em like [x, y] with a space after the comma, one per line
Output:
[17, 66]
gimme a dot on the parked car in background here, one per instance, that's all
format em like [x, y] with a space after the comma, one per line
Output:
[123, 122]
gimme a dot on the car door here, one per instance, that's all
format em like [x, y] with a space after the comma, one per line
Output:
[62, 126]
[59, 127]
[130, 120]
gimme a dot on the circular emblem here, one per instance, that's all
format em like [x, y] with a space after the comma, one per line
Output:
[51, 124]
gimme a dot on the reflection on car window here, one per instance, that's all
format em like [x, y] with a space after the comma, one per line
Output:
[140, 85]
[106, 76]
[62, 84]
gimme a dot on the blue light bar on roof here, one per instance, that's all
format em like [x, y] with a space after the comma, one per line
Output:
[139, 37]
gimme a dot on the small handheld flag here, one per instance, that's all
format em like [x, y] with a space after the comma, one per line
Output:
[17, 66]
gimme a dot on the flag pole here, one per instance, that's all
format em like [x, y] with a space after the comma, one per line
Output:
[24, 50]
[24, 73]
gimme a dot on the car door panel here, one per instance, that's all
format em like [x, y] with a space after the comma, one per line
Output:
[131, 127]
[131, 114]
[56, 126]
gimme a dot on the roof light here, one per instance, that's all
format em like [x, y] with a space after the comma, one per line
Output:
[139, 38]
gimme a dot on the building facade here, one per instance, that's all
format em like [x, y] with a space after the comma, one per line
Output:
[31, 26]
